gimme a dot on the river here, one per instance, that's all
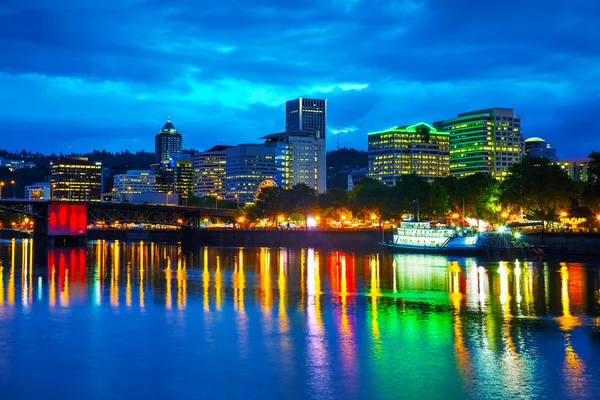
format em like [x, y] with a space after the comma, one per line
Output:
[146, 320]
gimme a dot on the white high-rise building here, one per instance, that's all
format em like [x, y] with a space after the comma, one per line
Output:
[300, 158]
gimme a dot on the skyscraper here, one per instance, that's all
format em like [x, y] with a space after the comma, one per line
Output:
[413, 149]
[167, 143]
[488, 141]
[309, 115]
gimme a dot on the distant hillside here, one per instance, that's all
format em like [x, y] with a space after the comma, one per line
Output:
[341, 162]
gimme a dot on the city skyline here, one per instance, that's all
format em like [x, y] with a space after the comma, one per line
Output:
[89, 79]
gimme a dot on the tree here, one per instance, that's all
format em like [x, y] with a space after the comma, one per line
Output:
[591, 191]
[301, 199]
[408, 188]
[538, 187]
[478, 195]
[270, 202]
[334, 203]
[371, 197]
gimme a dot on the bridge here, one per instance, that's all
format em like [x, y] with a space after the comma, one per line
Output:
[68, 218]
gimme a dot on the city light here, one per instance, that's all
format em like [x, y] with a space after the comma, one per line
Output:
[517, 235]
[504, 215]
[179, 221]
[563, 214]
[502, 229]
[311, 222]
[455, 215]
[280, 218]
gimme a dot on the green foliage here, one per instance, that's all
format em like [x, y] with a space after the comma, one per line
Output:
[371, 197]
[273, 201]
[538, 187]
[478, 195]
[590, 194]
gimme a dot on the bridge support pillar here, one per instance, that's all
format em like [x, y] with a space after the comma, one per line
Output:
[40, 229]
[190, 238]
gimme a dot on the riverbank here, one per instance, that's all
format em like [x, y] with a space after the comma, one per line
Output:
[566, 243]
[558, 243]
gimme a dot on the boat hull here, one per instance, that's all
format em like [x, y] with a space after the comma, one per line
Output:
[433, 250]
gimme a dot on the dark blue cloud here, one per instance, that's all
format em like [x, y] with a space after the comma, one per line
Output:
[107, 74]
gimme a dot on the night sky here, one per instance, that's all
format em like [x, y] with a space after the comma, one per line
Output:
[106, 74]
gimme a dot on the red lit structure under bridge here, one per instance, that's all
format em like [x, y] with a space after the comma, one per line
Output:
[67, 222]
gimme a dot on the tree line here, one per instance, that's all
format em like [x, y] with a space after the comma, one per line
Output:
[535, 188]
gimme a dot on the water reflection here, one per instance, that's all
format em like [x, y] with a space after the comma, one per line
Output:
[337, 320]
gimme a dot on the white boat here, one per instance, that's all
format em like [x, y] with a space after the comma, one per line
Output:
[422, 236]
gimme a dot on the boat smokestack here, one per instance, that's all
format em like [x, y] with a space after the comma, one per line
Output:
[416, 210]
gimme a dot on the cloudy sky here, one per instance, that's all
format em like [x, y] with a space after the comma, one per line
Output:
[106, 74]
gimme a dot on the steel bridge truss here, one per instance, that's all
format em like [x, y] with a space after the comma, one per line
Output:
[145, 214]
[37, 210]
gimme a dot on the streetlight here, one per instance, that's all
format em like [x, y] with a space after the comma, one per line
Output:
[168, 194]
[1, 185]
[216, 202]
[14, 189]
[238, 200]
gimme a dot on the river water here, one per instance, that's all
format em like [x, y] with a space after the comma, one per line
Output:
[116, 320]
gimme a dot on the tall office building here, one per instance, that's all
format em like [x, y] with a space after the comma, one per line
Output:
[537, 147]
[300, 158]
[488, 141]
[167, 143]
[209, 172]
[134, 182]
[246, 168]
[176, 176]
[418, 149]
[309, 115]
[75, 179]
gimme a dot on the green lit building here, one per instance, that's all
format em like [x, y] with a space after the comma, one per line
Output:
[488, 141]
[419, 149]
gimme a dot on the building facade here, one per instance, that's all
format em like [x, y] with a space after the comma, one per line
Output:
[209, 172]
[418, 149]
[167, 143]
[308, 115]
[133, 182]
[538, 147]
[300, 158]
[486, 141]
[247, 167]
[38, 191]
[76, 179]
[176, 176]
[577, 170]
